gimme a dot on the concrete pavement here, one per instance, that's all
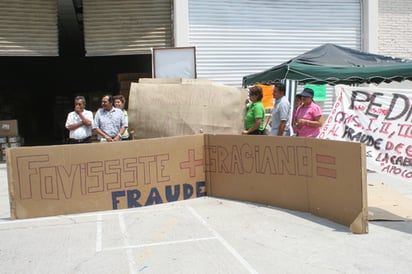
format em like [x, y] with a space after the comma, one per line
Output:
[203, 235]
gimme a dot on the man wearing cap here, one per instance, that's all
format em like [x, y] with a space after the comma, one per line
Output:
[307, 120]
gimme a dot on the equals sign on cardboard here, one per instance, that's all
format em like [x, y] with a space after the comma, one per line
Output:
[326, 166]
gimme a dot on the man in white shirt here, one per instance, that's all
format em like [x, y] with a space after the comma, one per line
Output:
[79, 122]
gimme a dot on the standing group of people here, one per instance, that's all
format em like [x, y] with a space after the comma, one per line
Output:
[306, 116]
[110, 121]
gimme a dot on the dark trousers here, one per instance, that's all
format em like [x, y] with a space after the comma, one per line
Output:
[257, 132]
[81, 141]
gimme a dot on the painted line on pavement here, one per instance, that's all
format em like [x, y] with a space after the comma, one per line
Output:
[129, 251]
[99, 234]
[161, 243]
[223, 242]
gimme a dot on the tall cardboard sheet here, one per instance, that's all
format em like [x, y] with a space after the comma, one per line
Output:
[325, 178]
[174, 107]
[54, 180]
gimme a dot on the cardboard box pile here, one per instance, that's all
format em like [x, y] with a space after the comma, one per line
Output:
[9, 136]
[125, 80]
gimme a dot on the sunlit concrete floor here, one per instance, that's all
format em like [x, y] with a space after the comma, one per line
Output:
[202, 235]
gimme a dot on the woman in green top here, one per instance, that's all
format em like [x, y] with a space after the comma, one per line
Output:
[255, 113]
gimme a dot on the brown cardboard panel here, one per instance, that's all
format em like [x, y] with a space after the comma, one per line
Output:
[54, 180]
[175, 107]
[387, 204]
[176, 81]
[8, 128]
[326, 178]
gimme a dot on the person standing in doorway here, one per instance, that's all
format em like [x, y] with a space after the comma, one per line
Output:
[79, 122]
[280, 112]
[119, 102]
[109, 122]
[308, 116]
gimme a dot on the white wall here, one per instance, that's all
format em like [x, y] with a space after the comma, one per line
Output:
[395, 28]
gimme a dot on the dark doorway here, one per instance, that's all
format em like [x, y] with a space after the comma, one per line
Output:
[39, 91]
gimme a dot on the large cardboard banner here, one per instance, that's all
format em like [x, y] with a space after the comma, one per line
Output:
[381, 119]
[326, 178]
[54, 180]
[175, 107]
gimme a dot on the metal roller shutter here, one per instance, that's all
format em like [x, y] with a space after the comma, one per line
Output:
[235, 38]
[28, 28]
[126, 26]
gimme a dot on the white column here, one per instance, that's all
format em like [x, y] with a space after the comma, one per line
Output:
[370, 14]
[181, 22]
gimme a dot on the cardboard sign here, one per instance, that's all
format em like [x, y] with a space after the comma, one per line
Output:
[381, 119]
[54, 180]
[326, 178]
[175, 107]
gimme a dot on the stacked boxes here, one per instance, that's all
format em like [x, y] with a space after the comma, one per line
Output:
[4, 145]
[125, 79]
[9, 136]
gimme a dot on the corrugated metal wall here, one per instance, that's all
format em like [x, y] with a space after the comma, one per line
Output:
[235, 38]
[28, 28]
[239, 37]
[125, 27]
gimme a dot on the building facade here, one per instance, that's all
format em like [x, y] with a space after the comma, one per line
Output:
[52, 50]
[395, 28]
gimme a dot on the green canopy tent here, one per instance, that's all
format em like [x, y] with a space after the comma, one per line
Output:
[332, 64]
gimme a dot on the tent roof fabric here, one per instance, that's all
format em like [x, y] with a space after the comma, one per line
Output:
[333, 64]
